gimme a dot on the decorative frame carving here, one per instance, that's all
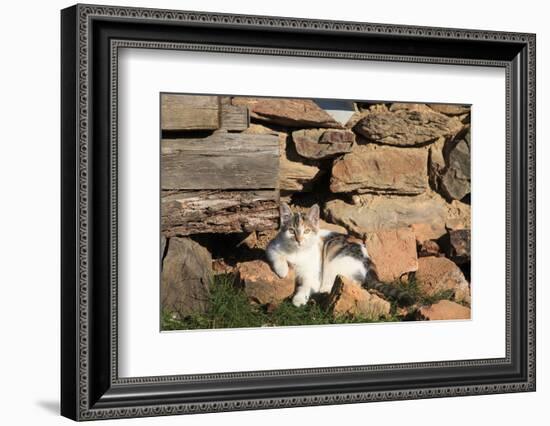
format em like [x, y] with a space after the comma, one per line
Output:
[91, 388]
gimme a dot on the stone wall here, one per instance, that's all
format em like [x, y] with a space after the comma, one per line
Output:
[394, 175]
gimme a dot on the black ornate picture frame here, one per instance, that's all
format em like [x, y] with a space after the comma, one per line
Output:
[91, 36]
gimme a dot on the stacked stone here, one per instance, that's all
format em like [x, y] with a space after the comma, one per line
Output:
[395, 175]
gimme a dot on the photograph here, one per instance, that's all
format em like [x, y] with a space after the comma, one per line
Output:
[305, 212]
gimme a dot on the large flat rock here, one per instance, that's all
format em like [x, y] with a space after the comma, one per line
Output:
[429, 214]
[288, 112]
[381, 169]
[406, 127]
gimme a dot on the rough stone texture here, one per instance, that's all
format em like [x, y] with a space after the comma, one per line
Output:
[459, 245]
[405, 106]
[288, 112]
[428, 248]
[220, 266]
[424, 231]
[349, 298]
[381, 169]
[261, 284]
[429, 214]
[185, 278]
[336, 136]
[313, 144]
[332, 227]
[444, 310]
[406, 127]
[259, 129]
[436, 274]
[294, 175]
[455, 181]
[458, 215]
[393, 252]
[249, 241]
[449, 109]
[436, 162]
[264, 237]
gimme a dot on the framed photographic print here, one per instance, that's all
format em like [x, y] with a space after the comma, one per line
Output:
[263, 212]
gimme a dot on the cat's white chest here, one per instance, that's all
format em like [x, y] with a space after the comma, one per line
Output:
[307, 265]
[305, 256]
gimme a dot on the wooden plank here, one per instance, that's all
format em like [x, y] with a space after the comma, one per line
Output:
[233, 117]
[189, 112]
[221, 161]
[194, 212]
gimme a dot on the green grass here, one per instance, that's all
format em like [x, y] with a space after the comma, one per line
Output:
[230, 308]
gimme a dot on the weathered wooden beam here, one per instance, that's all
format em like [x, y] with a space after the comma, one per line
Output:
[189, 112]
[195, 212]
[220, 161]
[234, 117]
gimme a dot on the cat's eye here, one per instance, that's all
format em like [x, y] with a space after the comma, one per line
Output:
[307, 231]
[291, 231]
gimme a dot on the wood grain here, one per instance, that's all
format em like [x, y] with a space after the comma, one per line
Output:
[189, 112]
[220, 161]
[194, 212]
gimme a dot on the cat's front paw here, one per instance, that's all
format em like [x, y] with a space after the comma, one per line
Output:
[281, 269]
[299, 299]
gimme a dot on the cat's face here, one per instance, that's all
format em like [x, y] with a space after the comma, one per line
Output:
[300, 228]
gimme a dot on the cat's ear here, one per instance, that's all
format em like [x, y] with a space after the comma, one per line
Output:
[313, 215]
[285, 213]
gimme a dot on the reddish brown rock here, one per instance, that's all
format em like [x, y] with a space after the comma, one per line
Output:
[406, 106]
[381, 169]
[444, 310]
[406, 127]
[393, 252]
[261, 284]
[450, 109]
[336, 136]
[288, 112]
[458, 215]
[185, 278]
[319, 144]
[438, 274]
[349, 298]
[428, 230]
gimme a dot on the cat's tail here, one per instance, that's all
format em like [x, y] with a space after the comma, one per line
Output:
[372, 282]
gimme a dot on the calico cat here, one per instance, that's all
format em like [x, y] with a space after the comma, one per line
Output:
[318, 256]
